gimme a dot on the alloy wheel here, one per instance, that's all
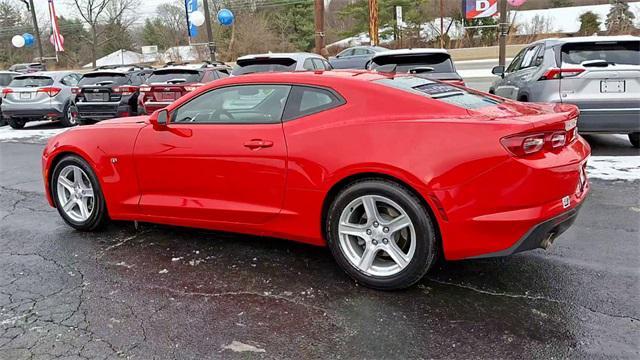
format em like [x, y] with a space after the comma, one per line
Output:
[376, 235]
[75, 193]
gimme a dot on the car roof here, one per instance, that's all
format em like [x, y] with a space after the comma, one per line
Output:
[415, 51]
[52, 74]
[296, 56]
[317, 75]
[111, 71]
[580, 39]
[9, 72]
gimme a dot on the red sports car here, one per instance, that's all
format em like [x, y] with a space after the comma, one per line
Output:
[390, 171]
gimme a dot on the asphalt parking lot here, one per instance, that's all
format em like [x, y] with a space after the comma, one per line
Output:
[163, 292]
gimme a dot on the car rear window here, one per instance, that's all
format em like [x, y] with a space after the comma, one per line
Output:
[175, 76]
[248, 66]
[103, 79]
[5, 79]
[440, 62]
[31, 81]
[613, 52]
[440, 91]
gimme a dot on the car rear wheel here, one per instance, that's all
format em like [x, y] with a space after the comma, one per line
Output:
[16, 123]
[77, 195]
[70, 116]
[635, 139]
[381, 234]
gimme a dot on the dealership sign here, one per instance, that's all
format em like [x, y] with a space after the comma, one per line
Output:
[475, 9]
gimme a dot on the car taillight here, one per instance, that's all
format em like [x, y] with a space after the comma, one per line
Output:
[51, 91]
[75, 90]
[556, 73]
[192, 87]
[125, 90]
[527, 144]
[6, 92]
[145, 88]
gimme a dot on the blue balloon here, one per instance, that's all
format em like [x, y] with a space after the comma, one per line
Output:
[225, 17]
[28, 39]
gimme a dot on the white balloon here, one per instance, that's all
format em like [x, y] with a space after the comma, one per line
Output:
[197, 18]
[17, 41]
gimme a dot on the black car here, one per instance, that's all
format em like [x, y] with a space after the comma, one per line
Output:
[109, 93]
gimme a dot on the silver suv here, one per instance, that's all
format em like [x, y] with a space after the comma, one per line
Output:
[599, 74]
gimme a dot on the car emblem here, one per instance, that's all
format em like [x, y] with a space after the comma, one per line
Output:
[95, 90]
[167, 89]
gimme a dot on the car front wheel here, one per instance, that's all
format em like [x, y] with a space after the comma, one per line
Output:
[634, 138]
[381, 234]
[16, 123]
[77, 195]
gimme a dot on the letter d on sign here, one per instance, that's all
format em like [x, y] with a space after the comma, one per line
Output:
[482, 5]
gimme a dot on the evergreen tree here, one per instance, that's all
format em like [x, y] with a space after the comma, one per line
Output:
[620, 18]
[589, 24]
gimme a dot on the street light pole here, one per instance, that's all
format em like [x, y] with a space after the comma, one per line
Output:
[35, 26]
[503, 28]
[211, 43]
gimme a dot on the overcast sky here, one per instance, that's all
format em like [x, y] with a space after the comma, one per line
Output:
[67, 9]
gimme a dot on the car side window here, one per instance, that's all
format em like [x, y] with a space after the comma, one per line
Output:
[240, 104]
[307, 100]
[529, 57]
[361, 52]
[317, 64]
[308, 64]
[69, 80]
[347, 52]
[515, 63]
[327, 65]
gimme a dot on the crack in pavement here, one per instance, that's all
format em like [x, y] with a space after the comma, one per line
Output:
[529, 297]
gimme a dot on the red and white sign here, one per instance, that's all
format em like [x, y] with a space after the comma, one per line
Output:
[475, 9]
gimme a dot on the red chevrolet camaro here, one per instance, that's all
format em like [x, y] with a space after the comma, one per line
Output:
[389, 171]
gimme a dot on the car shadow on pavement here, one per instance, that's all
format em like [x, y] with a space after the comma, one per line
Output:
[610, 145]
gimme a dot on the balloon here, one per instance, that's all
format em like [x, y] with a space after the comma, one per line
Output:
[17, 41]
[516, 3]
[53, 42]
[225, 17]
[28, 39]
[197, 18]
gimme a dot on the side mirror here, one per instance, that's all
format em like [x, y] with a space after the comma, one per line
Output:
[498, 70]
[159, 118]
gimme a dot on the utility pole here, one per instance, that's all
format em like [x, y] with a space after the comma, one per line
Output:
[319, 25]
[35, 26]
[373, 22]
[210, 41]
[503, 28]
[441, 24]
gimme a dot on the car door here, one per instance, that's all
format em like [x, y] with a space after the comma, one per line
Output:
[221, 158]
[504, 86]
[523, 75]
[360, 58]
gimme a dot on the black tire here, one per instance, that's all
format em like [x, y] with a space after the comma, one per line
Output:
[84, 122]
[99, 216]
[634, 138]
[426, 247]
[16, 123]
[68, 118]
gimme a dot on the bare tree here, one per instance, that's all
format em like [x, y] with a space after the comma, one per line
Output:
[99, 13]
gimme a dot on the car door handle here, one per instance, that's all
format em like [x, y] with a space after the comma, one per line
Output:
[258, 144]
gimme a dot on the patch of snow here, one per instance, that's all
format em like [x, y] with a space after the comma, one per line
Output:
[163, 271]
[31, 133]
[614, 167]
[237, 346]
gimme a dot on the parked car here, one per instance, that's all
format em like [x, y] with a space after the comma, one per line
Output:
[5, 79]
[166, 85]
[40, 96]
[600, 75]
[106, 94]
[28, 68]
[279, 62]
[433, 64]
[305, 156]
[356, 57]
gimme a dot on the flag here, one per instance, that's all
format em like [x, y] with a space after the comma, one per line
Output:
[55, 31]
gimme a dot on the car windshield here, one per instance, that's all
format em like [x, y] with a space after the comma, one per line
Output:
[440, 62]
[5, 79]
[175, 76]
[103, 79]
[31, 81]
[439, 91]
[248, 66]
[613, 52]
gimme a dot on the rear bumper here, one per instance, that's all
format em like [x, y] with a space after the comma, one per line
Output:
[97, 111]
[32, 111]
[611, 120]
